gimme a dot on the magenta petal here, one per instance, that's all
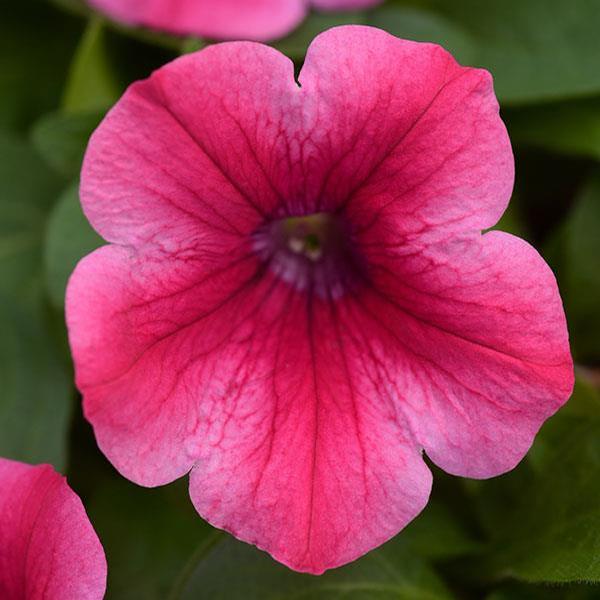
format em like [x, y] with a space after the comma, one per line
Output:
[220, 19]
[420, 149]
[156, 322]
[304, 457]
[301, 300]
[478, 347]
[48, 548]
[200, 158]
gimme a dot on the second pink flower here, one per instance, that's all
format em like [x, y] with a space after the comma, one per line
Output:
[222, 19]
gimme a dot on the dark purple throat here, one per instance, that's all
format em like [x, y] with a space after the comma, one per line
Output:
[316, 253]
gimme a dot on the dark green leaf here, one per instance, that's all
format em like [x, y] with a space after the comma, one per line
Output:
[521, 591]
[147, 535]
[566, 127]
[62, 138]
[297, 42]
[437, 534]
[69, 238]
[36, 44]
[35, 396]
[35, 393]
[236, 570]
[28, 188]
[78, 7]
[512, 220]
[546, 522]
[581, 277]
[546, 187]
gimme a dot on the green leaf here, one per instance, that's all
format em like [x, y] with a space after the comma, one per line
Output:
[565, 127]
[425, 26]
[28, 188]
[78, 7]
[585, 401]
[147, 535]
[62, 139]
[582, 407]
[35, 395]
[237, 570]
[512, 220]
[92, 84]
[581, 277]
[69, 238]
[192, 44]
[438, 534]
[36, 45]
[536, 50]
[545, 522]
[520, 591]
[296, 44]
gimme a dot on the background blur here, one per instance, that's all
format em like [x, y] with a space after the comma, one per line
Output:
[534, 533]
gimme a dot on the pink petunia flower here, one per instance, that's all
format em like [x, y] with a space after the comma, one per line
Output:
[222, 19]
[298, 299]
[48, 548]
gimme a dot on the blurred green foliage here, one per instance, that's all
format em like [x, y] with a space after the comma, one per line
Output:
[533, 533]
[36, 393]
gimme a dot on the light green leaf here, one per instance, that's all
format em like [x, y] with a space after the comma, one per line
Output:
[92, 84]
[192, 44]
[425, 26]
[69, 238]
[536, 49]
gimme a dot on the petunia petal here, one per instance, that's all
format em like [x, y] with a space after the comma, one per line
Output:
[194, 146]
[477, 347]
[48, 548]
[220, 19]
[418, 145]
[306, 459]
[154, 322]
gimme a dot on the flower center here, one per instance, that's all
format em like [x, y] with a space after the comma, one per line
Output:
[314, 253]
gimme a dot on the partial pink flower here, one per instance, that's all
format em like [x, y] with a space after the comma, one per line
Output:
[298, 299]
[222, 19]
[48, 548]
